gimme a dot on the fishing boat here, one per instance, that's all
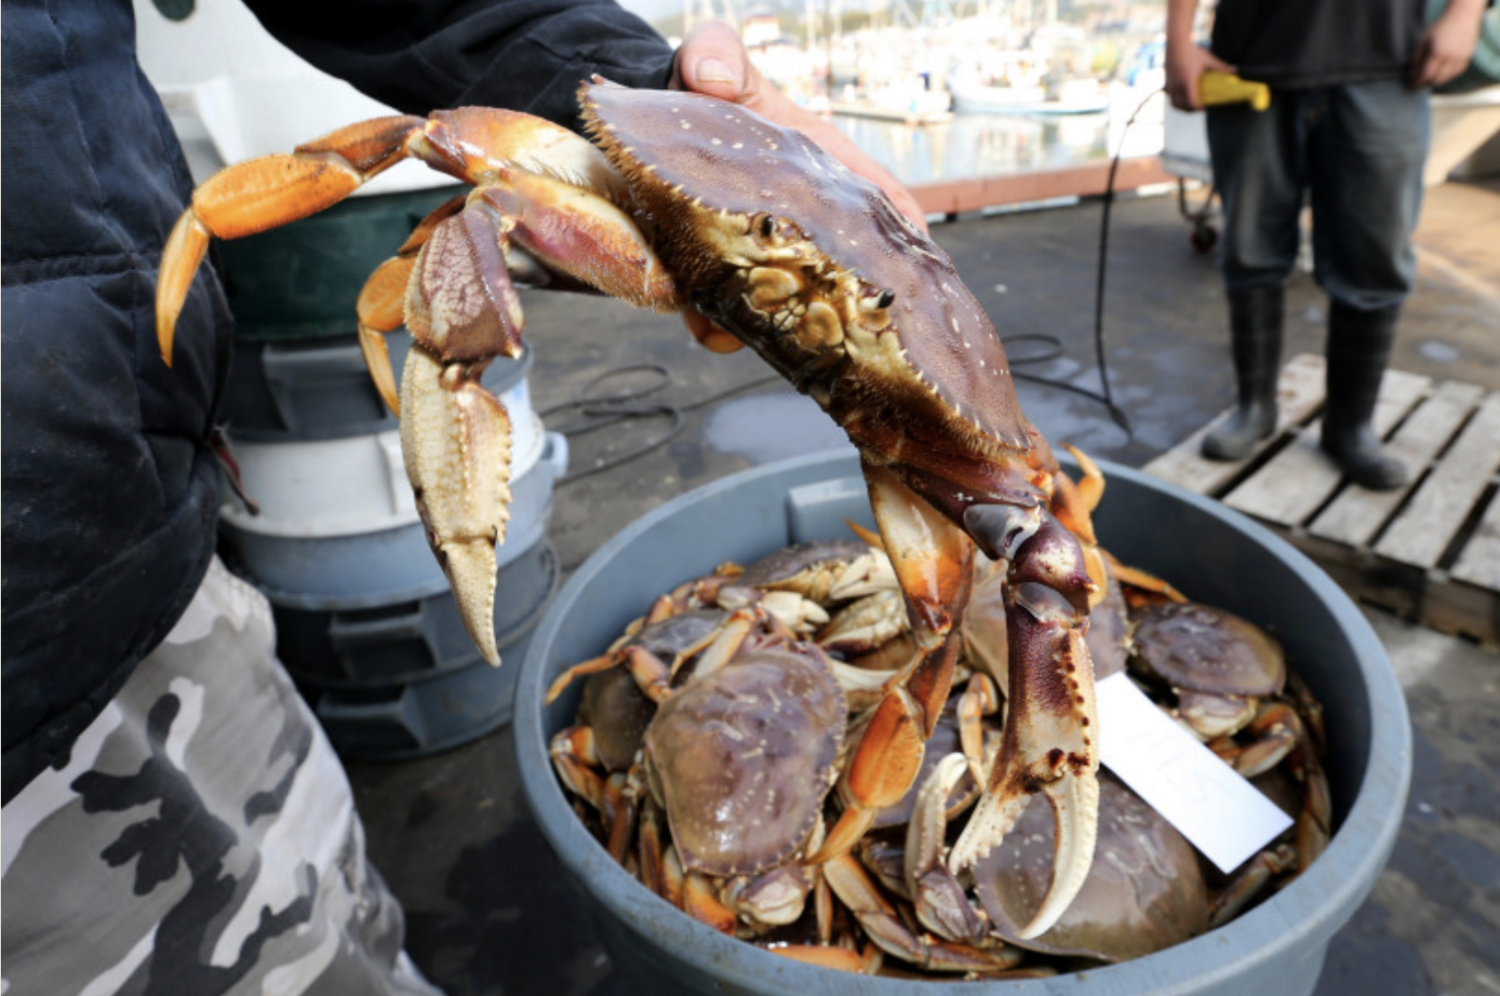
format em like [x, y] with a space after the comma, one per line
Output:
[1082, 96]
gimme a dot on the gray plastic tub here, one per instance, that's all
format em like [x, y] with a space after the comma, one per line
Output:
[429, 713]
[1219, 556]
[356, 644]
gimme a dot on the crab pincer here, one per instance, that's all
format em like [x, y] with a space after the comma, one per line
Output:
[543, 203]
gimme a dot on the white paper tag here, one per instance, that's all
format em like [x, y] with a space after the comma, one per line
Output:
[1212, 805]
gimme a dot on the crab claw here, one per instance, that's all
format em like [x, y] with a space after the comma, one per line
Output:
[1075, 808]
[1049, 744]
[455, 436]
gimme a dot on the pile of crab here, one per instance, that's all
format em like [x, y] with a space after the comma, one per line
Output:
[708, 757]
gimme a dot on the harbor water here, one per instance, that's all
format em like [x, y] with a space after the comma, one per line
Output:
[970, 145]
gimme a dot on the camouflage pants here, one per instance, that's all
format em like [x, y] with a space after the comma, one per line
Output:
[201, 839]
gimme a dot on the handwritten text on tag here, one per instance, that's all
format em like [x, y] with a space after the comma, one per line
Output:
[1209, 803]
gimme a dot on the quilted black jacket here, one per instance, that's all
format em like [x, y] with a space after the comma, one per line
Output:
[110, 491]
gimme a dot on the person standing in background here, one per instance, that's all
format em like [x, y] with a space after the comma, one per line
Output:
[1347, 132]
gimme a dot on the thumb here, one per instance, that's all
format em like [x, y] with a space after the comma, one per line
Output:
[712, 61]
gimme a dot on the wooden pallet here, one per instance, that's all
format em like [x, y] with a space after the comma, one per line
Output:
[1429, 552]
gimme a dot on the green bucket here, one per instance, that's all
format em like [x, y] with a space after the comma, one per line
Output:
[301, 281]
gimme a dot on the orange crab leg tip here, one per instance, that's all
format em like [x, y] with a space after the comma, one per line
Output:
[1092, 484]
[183, 254]
[1138, 578]
[824, 955]
[377, 356]
[870, 537]
[593, 666]
[851, 827]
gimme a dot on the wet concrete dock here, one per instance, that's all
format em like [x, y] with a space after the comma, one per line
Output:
[488, 910]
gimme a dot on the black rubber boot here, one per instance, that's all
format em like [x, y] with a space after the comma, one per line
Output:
[1359, 346]
[1255, 318]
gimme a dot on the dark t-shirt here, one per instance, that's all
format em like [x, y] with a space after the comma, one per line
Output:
[1301, 43]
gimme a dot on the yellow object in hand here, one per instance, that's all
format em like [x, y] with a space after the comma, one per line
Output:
[1215, 87]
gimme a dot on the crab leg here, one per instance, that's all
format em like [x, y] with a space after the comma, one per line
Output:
[700, 900]
[652, 854]
[542, 194]
[575, 759]
[932, 558]
[980, 698]
[1273, 734]
[1074, 505]
[263, 193]
[825, 955]
[932, 561]
[885, 926]
[382, 301]
[888, 758]
[1049, 742]
[938, 897]
[1251, 881]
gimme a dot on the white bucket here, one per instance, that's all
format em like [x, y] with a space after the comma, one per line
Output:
[340, 487]
[382, 563]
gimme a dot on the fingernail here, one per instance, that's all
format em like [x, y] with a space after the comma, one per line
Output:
[713, 70]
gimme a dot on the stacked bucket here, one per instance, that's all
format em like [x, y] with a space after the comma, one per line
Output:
[366, 623]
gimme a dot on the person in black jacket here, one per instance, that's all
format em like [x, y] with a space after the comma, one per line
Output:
[173, 819]
[1347, 132]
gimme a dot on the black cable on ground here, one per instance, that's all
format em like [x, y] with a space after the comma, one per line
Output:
[611, 409]
[607, 410]
[1107, 397]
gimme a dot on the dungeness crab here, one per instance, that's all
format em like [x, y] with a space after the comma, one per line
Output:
[687, 204]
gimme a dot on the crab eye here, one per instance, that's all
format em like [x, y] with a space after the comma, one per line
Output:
[887, 296]
[767, 226]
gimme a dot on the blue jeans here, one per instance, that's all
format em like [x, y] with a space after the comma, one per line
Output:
[1354, 152]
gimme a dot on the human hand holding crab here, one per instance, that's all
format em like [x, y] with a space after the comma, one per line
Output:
[685, 203]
